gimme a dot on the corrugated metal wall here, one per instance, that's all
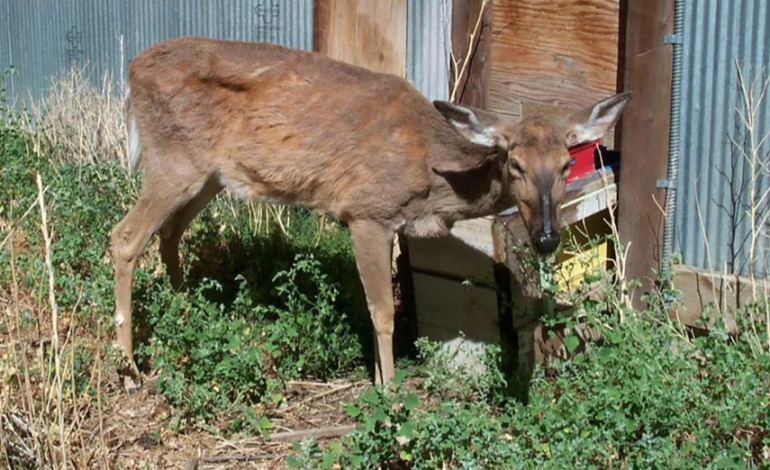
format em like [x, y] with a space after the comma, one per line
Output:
[42, 38]
[427, 57]
[714, 177]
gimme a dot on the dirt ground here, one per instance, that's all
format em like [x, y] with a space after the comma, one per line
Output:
[115, 429]
[140, 422]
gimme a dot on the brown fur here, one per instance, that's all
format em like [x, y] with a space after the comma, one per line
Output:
[295, 127]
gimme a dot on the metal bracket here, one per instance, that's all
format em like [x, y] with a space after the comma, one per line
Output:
[663, 183]
[674, 39]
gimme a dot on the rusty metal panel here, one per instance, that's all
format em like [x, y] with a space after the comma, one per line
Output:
[723, 41]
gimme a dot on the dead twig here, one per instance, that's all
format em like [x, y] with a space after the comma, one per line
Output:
[291, 383]
[15, 225]
[192, 462]
[325, 432]
[318, 396]
[463, 63]
[54, 318]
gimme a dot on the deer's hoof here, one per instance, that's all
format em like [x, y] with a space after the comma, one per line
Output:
[130, 385]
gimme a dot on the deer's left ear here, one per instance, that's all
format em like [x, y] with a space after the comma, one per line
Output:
[591, 123]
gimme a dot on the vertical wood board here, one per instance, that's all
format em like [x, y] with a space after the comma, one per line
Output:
[450, 305]
[367, 33]
[645, 127]
[560, 53]
[473, 87]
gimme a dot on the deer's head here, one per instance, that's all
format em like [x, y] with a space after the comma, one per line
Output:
[536, 156]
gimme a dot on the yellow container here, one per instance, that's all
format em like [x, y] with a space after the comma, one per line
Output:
[579, 258]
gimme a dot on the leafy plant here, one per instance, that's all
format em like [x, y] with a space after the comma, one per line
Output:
[309, 336]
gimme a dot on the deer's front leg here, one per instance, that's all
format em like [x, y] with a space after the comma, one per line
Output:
[373, 246]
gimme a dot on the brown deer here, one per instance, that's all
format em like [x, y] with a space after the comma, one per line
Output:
[296, 127]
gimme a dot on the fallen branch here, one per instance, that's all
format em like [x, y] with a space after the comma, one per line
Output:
[304, 383]
[192, 462]
[317, 396]
[326, 432]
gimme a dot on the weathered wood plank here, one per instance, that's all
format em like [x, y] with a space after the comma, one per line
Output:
[367, 33]
[558, 52]
[645, 127]
[473, 87]
[462, 350]
[450, 256]
[456, 307]
[717, 295]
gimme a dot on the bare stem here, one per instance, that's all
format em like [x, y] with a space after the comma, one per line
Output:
[463, 64]
[54, 319]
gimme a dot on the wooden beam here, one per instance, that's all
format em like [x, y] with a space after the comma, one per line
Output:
[367, 33]
[717, 295]
[548, 56]
[473, 89]
[645, 129]
[372, 34]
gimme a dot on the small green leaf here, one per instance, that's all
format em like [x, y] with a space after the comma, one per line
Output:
[571, 343]
[328, 460]
[352, 411]
[379, 415]
[265, 424]
[411, 401]
[406, 430]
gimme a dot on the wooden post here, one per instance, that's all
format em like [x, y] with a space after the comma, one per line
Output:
[473, 89]
[367, 33]
[372, 34]
[645, 130]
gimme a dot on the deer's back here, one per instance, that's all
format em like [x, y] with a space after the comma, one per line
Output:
[286, 124]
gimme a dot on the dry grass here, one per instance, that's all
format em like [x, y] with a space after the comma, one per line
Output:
[752, 101]
[61, 401]
[45, 422]
[78, 122]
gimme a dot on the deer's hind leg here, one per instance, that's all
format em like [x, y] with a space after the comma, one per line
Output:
[162, 196]
[172, 231]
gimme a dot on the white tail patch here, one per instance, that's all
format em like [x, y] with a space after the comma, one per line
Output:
[134, 142]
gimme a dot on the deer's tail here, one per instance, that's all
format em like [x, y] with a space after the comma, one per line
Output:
[134, 140]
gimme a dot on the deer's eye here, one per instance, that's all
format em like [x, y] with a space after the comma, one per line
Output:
[516, 167]
[565, 168]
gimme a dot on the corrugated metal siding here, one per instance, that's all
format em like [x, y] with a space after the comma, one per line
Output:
[5, 40]
[428, 32]
[713, 176]
[41, 38]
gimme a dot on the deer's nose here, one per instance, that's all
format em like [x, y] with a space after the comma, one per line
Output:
[547, 241]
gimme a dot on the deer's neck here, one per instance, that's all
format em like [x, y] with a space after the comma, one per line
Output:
[474, 193]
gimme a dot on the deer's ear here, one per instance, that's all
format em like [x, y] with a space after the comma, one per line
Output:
[476, 125]
[479, 127]
[591, 123]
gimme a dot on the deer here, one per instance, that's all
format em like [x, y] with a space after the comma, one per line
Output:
[294, 127]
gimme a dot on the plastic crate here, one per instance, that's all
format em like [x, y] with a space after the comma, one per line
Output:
[583, 162]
